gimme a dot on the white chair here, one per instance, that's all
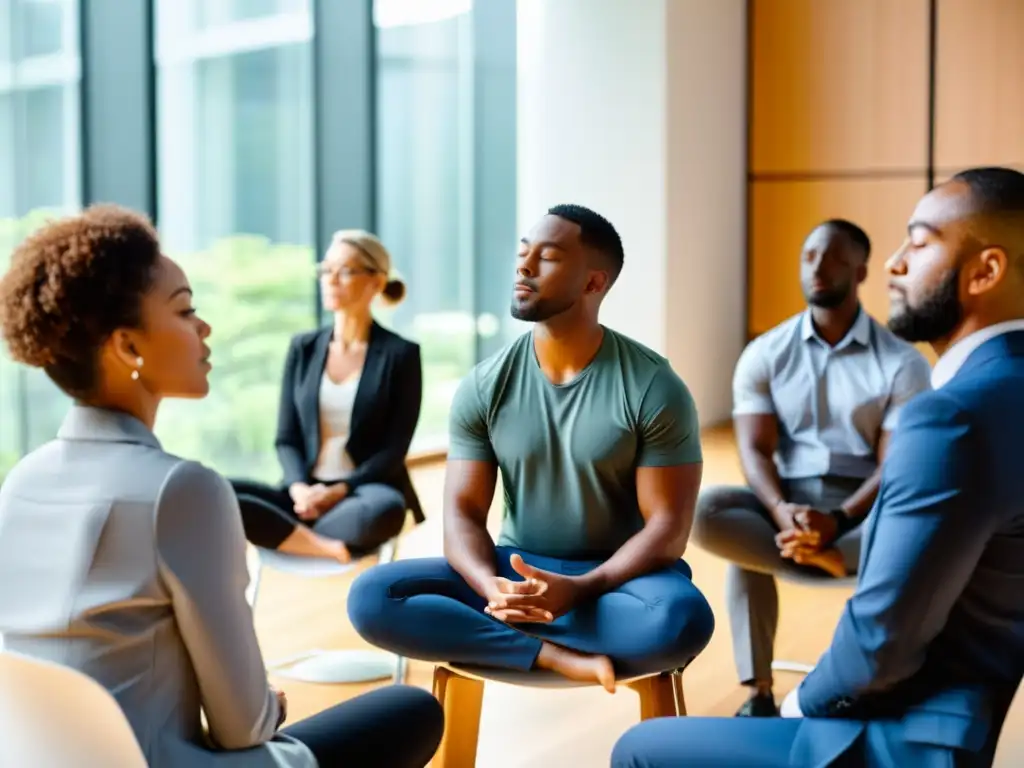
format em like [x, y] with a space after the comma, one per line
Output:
[318, 665]
[800, 667]
[55, 716]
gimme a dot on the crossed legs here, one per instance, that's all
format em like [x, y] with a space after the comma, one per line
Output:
[732, 523]
[369, 516]
[424, 610]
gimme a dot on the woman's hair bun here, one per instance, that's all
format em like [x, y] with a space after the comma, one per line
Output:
[394, 290]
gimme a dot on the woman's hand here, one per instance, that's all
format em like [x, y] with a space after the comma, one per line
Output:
[298, 492]
[320, 499]
[303, 496]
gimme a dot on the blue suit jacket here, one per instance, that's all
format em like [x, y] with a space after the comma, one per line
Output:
[930, 649]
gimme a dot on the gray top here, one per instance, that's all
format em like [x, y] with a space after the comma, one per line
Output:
[128, 564]
[832, 403]
[568, 453]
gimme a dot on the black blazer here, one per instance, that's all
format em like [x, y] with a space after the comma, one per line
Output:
[384, 415]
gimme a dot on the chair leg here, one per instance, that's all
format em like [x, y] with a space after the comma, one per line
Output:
[401, 669]
[387, 552]
[657, 695]
[677, 688]
[462, 699]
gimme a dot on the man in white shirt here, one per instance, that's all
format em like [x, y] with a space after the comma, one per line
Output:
[815, 400]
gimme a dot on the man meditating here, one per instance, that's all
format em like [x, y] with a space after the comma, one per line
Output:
[598, 445]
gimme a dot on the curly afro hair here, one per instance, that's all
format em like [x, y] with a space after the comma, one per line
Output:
[70, 285]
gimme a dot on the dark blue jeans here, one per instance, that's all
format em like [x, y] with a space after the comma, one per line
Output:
[423, 609]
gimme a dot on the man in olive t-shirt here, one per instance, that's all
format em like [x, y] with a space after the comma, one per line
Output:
[598, 445]
[568, 452]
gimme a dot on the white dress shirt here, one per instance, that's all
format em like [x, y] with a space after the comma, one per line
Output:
[947, 366]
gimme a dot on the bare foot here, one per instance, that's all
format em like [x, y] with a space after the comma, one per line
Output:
[577, 666]
[306, 542]
[337, 550]
[830, 561]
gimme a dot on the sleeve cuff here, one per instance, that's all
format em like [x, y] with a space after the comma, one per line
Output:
[754, 408]
[469, 453]
[791, 704]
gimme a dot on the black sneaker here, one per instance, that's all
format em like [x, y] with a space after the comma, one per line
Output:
[759, 705]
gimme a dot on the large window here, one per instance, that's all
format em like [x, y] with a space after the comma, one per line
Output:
[40, 176]
[424, 186]
[235, 208]
[266, 137]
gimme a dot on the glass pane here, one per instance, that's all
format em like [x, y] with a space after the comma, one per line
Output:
[425, 187]
[40, 177]
[235, 203]
[40, 28]
[212, 13]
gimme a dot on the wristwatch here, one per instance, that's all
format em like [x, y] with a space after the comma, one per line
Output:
[844, 523]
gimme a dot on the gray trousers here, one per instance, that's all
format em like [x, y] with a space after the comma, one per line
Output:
[731, 522]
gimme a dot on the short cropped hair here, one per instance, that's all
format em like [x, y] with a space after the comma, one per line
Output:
[596, 232]
[995, 190]
[856, 235]
[70, 285]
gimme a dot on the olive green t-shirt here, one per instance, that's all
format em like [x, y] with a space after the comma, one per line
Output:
[568, 453]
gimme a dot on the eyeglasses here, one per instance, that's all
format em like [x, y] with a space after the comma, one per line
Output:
[323, 269]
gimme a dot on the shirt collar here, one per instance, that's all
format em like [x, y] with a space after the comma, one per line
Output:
[85, 422]
[859, 332]
[950, 363]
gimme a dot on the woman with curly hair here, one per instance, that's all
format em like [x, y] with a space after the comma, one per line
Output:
[128, 564]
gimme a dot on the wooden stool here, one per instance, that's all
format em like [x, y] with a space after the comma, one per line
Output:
[461, 692]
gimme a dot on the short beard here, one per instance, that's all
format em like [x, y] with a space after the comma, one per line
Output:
[935, 318]
[828, 299]
[539, 311]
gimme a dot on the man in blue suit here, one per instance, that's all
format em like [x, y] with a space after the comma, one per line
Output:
[930, 649]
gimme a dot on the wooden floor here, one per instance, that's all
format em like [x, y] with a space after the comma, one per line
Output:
[575, 727]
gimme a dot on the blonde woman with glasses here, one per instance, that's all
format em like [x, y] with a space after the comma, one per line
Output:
[350, 402]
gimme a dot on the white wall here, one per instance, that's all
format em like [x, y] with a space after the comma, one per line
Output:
[706, 191]
[636, 108]
[591, 81]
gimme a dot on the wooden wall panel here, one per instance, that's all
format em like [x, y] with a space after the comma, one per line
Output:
[840, 85]
[979, 84]
[782, 213]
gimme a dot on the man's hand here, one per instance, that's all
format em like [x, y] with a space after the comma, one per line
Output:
[820, 527]
[812, 529]
[785, 514]
[501, 591]
[549, 595]
[829, 560]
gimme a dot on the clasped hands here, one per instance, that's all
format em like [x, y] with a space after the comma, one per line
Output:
[312, 501]
[541, 597]
[806, 537]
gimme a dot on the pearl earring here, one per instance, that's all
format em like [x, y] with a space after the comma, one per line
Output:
[135, 373]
